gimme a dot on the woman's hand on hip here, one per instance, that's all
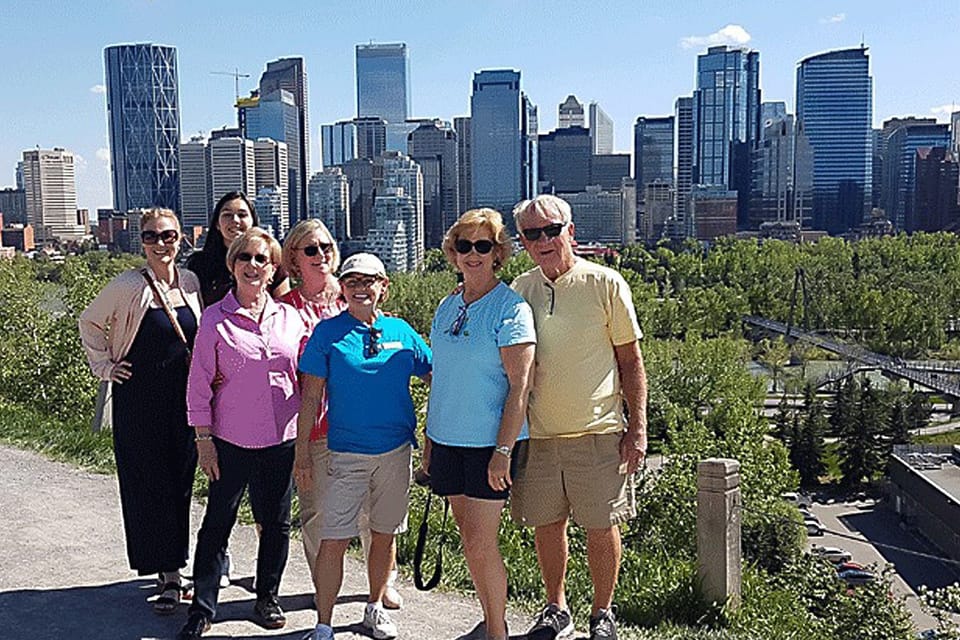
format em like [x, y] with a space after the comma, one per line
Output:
[208, 460]
[120, 372]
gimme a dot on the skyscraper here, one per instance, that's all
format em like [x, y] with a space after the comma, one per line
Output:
[570, 113]
[403, 177]
[49, 180]
[371, 137]
[13, 205]
[339, 143]
[329, 197]
[383, 89]
[564, 165]
[465, 167]
[904, 136]
[496, 128]
[652, 157]
[685, 171]
[433, 145]
[783, 174]
[835, 107]
[195, 196]
[270, 160]
[232, 166]
[529, 148]
[276, 116]
[935, 205]
[143, 119]
[290, 74]
[726, 117]
[601, 130]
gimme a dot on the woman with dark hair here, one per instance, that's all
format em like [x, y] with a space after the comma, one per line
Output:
[233, 215]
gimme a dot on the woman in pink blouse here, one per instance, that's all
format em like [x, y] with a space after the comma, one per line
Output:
[242, 400]
[311, 257]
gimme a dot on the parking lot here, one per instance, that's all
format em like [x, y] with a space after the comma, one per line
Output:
[872, 522]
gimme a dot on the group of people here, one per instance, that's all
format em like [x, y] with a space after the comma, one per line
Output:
[271, 387]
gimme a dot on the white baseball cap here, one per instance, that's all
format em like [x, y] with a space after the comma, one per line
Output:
[363, 263]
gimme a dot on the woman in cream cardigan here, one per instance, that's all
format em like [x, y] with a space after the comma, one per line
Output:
[132, 341]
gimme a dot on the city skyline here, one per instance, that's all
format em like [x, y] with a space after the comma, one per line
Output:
[633, 61]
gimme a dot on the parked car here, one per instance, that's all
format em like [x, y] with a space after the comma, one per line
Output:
[856, 577]
[843, 566]
[796, 499]
[836, 555]
[814, 527]
[807, 514]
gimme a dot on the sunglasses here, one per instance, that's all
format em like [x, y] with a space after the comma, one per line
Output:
[360, 283]
[313, 250]
[373, 347]
[551, 231]
[463, 247]
[458, 323]
[152, 237]
[259, 259]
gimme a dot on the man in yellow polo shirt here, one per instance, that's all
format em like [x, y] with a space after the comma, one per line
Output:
[582, 453]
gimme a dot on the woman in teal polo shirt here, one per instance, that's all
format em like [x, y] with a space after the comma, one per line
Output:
[364, 360]
[483, 339]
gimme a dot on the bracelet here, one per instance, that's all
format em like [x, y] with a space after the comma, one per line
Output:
[504, 450]
[203, 437]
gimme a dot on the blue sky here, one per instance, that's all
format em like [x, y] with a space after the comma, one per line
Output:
[633, 57]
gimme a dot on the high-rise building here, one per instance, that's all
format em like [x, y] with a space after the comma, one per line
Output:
[49, 178]
[903, 136]
[403, 177]
[783, 175]
[433, 145]
[835, 107]
[13, 205]
[877, 145]
[529, 150]
[383, 89]
[196, 201]
[652, 159]
[713, 211]
[270, 203]
[770, 111]
[388, 239]
[657, 210]
[383, 82]
[726, 118]
[371, 137]
[143, 118]
[955, 132]
[365, 180]
[495, 144]
[232, 166]
[935, 205]
[607, 171]
[601, 130]
[276, 116]
[270, 161]
[605, 217]
[564, 165]
[290, 74]
[329, 198]
[685, 170]
[339, 143]
[570, 113]
[464, 163]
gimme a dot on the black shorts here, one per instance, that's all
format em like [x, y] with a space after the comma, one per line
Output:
[462, 471]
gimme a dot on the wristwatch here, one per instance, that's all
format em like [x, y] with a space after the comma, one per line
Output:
[504, 450]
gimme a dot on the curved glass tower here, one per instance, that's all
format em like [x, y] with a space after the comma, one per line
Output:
[143, 117]
[835, 109]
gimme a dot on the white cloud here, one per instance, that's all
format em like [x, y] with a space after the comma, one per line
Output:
[98, 88]
[834, 19]
[732, 34]
[103, 154]
[943, 111]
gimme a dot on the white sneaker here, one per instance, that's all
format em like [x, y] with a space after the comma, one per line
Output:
[378, 622]
[322, 632]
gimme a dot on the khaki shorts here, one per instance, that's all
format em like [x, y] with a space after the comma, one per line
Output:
[311, 501]
[582, 478]
[380, 481]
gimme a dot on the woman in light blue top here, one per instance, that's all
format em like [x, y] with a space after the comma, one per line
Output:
[483, 342]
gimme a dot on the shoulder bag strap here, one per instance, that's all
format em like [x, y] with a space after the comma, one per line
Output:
[166, 307]
[422, 543]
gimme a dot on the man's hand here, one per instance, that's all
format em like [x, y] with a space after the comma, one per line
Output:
[633, 449]
[303, 472]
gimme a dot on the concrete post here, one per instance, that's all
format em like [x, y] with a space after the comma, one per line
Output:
[718, 530]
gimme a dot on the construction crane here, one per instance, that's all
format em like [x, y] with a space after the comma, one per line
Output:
[236, 79]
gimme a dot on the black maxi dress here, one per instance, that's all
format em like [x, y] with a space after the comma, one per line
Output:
[154, 447]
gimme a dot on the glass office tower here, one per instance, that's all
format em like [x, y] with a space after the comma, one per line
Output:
[143, 120]
[835, 109]
[496, 129]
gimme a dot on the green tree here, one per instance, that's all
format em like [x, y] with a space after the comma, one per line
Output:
[807, 451]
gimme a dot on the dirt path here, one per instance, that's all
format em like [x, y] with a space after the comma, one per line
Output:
[64, 575]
